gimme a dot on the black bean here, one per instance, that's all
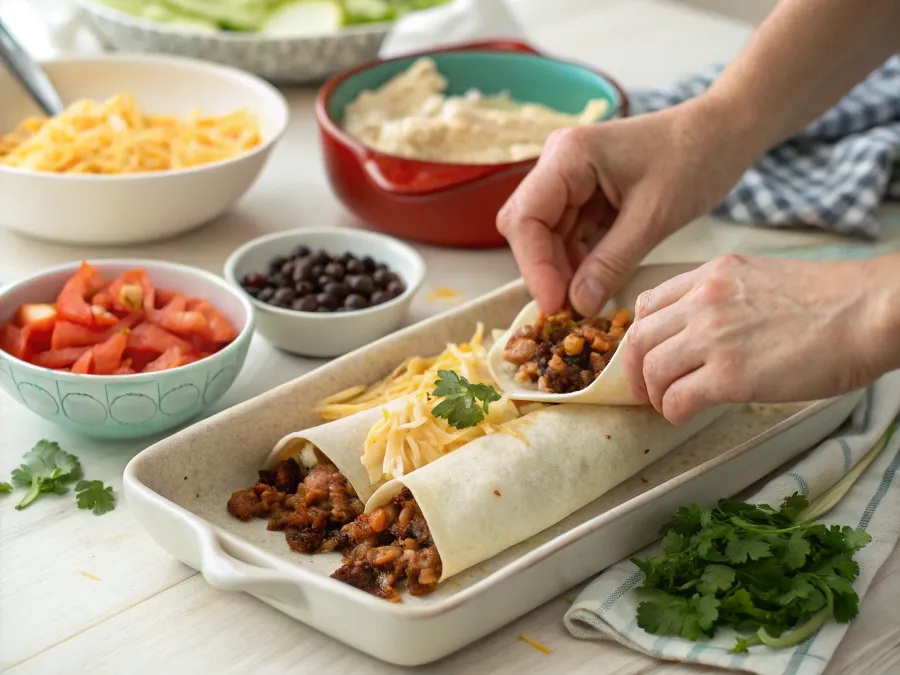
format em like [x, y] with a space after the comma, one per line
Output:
[252, 290]
[346, 257]
[276, 263]
[303, 288]
[361, 283]
[307, 304]
[381, 266]
[337, 288]
[266, 294]
[383, 277]
[303, 270]
[323, 281]
[278, 280]
[356, 266]
[379, 297]
[369, 263]
[395, 288]
[335, 270]
[327, 300]
[254, 279]
[317, 270]
[321, 257]
[300, 251]
[288, 268]
[355, 301]
[285, 295]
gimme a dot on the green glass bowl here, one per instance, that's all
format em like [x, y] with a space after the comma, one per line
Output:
[127, 406]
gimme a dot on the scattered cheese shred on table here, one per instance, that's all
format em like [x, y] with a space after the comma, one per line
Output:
[443, 293]
[535, 644]
[88, 575]
[408, 437]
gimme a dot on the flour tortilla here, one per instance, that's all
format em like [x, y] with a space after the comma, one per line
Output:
[342, 441]
[572, 455]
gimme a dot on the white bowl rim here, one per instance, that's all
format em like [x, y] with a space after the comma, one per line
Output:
[417, 273]
[162, 28]
[182, 62]
[99, 263]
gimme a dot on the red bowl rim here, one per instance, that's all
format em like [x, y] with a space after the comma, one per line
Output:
[481, 171]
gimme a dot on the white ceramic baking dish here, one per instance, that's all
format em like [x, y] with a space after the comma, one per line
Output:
[178, 489]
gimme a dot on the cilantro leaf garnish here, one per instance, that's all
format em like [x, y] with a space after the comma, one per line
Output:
[461, 407]
[93, 495]
[47, 469]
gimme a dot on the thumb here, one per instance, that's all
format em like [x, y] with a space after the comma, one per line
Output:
[613, 260]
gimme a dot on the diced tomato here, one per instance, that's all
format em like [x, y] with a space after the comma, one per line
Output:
[125, 368]
[11, 340]
[108, 354]
[85, 363]
[220, 328]
[175, 318]
[171, 358]
[164, 297]
[35, 313]
[59, 358]
[132, 291]
[102, 299]
[72, 302]
[149, 337]
[68, 334]
[36, 337]
[103, 317]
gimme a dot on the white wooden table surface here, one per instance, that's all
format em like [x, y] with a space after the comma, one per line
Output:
[86, 594]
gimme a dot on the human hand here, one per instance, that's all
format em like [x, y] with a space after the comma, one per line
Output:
[629, 183]
[747, 329]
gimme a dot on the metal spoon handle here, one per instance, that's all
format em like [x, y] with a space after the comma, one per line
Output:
[29, 73]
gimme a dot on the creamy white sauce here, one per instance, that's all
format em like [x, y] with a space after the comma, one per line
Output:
[411, 117]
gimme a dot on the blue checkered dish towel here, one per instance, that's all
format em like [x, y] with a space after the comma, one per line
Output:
[832, 175]
[607, 607]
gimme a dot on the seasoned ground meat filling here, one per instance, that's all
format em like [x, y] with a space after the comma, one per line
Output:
[319, 512]
[563, 354]
[310, 509]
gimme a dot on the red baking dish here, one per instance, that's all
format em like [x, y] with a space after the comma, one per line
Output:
[440, 203]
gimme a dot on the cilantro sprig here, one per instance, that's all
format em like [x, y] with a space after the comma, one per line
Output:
[774, 572]
[461, 407]
[48, 469]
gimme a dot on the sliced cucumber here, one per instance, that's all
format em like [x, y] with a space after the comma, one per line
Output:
[305, 17]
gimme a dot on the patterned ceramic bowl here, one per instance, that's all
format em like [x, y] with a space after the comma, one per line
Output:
[278, 59]
[127, 406]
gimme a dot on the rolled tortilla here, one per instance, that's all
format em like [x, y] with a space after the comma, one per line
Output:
[342, 441]
[499, 490]
[611, 386]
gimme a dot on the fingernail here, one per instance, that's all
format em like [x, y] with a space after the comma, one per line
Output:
[588, 297]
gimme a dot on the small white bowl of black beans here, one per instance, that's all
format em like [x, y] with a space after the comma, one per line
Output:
[323, 292]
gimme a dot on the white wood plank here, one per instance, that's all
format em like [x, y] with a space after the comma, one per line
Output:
[205, 630]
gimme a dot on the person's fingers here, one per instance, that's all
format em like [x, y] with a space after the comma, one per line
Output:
[612, 261]
[666, 294]
[644, 337]
[592, 221]
[667, 362]
[562, 178]
[690, 395]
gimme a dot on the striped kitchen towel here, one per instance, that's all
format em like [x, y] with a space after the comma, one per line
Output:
[833, 175]
[607, 607]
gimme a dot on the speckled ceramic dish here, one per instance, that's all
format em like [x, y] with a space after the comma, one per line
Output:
[127, 406]
[278, 59]
[177, 489]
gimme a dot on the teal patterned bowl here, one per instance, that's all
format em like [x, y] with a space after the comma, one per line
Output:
[127, 406]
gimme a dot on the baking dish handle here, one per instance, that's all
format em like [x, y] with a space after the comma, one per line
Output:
[222, 570]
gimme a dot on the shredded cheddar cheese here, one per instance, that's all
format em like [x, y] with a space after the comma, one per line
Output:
[534, 643]
[115, 137]
[409, 437]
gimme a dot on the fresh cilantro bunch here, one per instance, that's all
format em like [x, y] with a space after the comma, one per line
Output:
[750, 567]
[461, 407]
[47, 468]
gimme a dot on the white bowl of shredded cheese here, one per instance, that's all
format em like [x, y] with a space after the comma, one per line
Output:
[148, 147]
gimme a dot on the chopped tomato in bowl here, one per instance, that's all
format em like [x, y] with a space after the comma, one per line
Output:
[121, 348]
